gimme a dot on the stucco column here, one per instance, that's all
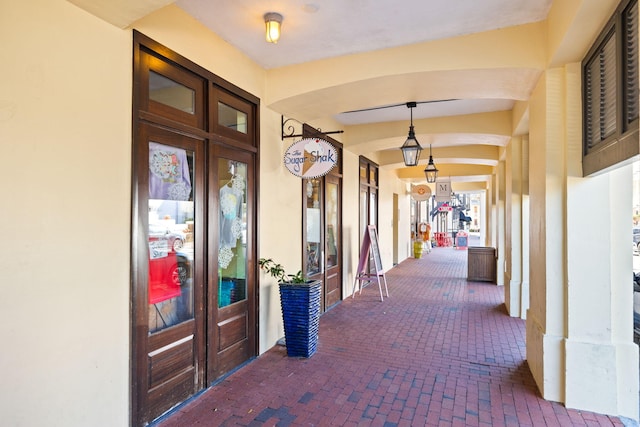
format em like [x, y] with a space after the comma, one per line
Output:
[493, 213]
[579, 325]
[513, 228]
[524, 294]
[500, 224]
[546, 316]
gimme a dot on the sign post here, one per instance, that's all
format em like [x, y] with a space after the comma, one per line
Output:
[363, 276]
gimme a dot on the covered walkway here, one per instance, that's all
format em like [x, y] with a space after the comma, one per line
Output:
[440, 351]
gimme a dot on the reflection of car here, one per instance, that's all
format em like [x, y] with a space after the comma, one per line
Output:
[168, 268]
[175, 240]
[167, 273]
[636, 237]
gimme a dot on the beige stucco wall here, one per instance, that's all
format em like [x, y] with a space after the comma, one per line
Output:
[65, 134]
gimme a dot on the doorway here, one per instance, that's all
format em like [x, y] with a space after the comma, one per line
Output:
[368, 203]
[194, 297]
[322, 227]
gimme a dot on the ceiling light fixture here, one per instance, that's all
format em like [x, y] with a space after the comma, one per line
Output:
[430, 171]
[411, 148]
[273, 23]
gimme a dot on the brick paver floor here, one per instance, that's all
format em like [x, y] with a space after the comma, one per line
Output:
[440, 351]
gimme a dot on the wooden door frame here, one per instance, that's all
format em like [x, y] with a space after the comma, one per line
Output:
[203, 127]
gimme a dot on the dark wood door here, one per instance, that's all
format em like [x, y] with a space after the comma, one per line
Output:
[232, 293]
[193, 227]
[322, 225]
[169, 341]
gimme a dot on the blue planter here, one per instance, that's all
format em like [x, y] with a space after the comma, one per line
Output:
[301, 315]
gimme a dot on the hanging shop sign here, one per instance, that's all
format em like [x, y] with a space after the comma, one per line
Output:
[420, 192]
[310, 158]
[443, 191]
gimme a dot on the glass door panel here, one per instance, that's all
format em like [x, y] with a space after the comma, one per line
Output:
[170, 236]
[232, 249]
[314, 222]
[232, 297]
[333, 249]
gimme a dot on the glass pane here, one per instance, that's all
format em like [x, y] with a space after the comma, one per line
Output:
[171, 93]
[232, 118]
[170, 236]
[314, 225]
[333, 232]
[373, 177]
[363, 173]
[364, 211]
[373, 207]
[232, 249]
[373, 220]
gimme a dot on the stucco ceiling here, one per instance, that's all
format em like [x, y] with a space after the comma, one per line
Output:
[315, 30]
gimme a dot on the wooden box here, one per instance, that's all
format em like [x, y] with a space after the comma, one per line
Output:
[481, 264]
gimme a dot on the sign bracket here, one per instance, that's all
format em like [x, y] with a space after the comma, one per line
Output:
[289, 124]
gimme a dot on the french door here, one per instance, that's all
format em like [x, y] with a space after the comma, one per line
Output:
[368, 201]
[232, 306]
[194, 296]
[168, 308]
[322, 226]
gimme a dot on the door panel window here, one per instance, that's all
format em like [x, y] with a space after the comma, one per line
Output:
[313, 246]
[232, 249]
[170, 236]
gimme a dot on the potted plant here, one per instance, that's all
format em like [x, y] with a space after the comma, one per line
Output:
[300, 302]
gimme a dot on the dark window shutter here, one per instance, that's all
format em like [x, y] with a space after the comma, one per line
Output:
[608, 89]
[630, 17]
[600, 81]
[611, 91]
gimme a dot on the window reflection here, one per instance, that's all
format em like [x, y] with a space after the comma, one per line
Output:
[171, 93]
[232, 118]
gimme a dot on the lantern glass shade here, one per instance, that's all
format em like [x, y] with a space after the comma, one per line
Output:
[431, 172]
[411, 150]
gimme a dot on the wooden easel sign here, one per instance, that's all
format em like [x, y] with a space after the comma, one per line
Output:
[363, 276]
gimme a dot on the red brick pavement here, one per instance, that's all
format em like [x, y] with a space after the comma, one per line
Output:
[440, 351]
